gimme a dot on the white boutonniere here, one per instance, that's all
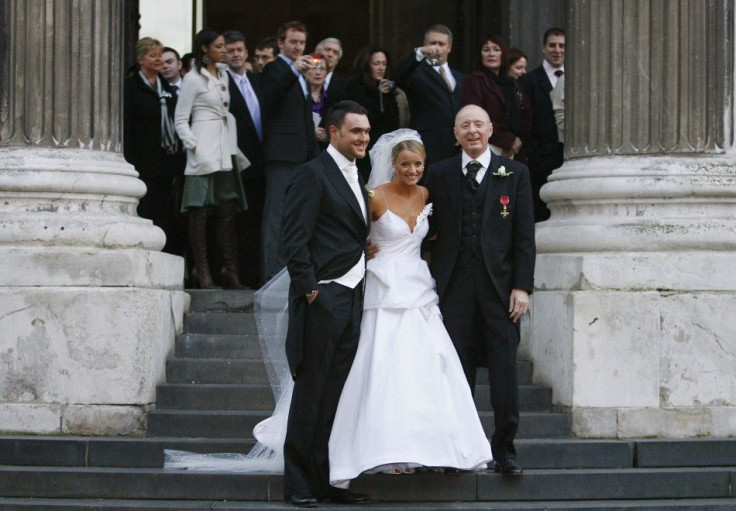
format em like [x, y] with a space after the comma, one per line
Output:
[501, 172]
[165, 94]
[369, 192]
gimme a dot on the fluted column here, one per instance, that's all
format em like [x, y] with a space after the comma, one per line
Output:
[635, 266]
[88, 305]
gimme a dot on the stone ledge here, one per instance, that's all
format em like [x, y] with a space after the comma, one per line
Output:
[680, 422]
[637, 271]
[89, 267]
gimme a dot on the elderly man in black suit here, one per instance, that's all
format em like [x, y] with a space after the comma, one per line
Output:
[289, 134]
[433, 88]
[336, 84]
[245, 105]
[483, 263]
[326, 225]
[544, 150]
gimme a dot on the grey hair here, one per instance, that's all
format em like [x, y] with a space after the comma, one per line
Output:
[333, 40]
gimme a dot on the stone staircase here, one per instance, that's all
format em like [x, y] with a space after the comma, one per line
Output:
[217, 390]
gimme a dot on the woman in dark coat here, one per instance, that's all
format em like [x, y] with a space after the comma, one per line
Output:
[150, 144]
[371, 86]
[492, 89]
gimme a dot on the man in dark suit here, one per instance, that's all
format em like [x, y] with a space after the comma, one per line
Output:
[336, 84]
[245, 106]
[433, 88]
[289, 134]
[326, 224]
[544, 150]
[483, 263]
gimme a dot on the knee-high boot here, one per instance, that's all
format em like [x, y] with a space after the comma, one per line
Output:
[228, 240]
[201, 277]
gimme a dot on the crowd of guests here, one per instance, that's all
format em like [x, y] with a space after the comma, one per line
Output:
[216, 134]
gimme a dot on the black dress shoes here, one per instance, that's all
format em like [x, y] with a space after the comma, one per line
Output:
[507, 468]
[302, 501]
[342, 496]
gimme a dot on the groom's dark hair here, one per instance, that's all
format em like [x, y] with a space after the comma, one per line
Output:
[341, 109]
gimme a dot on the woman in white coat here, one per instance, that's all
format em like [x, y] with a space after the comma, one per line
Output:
[213, 159]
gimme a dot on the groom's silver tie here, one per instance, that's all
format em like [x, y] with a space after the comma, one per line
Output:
[351, 173]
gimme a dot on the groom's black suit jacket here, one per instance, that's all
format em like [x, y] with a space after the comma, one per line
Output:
[507, 242]
[324, 236]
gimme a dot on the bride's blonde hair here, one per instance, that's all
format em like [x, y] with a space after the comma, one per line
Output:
[410, 144]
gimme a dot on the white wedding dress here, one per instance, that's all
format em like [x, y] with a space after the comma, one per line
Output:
[406, 402]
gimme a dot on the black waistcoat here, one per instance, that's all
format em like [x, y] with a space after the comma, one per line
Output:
[472, 214]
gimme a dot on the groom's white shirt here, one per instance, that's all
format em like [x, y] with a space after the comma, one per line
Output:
[355, 275]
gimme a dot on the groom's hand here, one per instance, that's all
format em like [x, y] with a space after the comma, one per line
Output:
[519, 304]
[312, 296]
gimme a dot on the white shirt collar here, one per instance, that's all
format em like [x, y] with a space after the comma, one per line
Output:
[340, 160]
[484, 159]
[550, 70]
[327, 80]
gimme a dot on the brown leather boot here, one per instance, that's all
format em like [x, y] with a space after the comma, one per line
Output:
[228, 240]
[201, 277]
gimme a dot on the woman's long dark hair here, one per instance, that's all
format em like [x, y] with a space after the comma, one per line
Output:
[497, 39]
[204, 37]
[361, 71]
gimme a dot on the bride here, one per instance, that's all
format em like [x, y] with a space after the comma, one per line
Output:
[406, 402]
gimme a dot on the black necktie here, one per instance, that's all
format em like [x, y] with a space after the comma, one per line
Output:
[559, 73]
[175, 88]
[473, 167]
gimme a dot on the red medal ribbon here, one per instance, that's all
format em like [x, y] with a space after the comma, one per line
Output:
[505, 200]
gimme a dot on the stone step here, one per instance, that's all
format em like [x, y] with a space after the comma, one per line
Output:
[220, 300]
[230, 347]
[230, 323]
[148, 452]
[239, 424]
[216, 371]
[252, 371]
[534, 485]
[532, 453]
[726, 504]
[218, 346]
[187, 396]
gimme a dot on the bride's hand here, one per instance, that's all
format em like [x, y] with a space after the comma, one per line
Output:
[371, 249]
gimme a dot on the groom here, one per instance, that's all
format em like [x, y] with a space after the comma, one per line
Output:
[483, 263]
[326, 222]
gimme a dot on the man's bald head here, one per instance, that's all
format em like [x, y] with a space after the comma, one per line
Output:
[473, 128]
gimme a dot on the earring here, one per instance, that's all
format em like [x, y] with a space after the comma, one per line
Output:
[205, 59]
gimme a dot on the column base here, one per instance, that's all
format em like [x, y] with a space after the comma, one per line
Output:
[85, 343]
[638, 344]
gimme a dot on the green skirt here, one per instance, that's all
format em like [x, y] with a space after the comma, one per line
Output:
[213, 189]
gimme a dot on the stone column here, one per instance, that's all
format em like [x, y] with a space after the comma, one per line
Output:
[89, 306]
[633, 321]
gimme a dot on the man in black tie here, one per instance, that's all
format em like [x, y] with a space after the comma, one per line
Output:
[483, 264]
[326, 224]
[544, 149]
[172, 68]
[245, 106]
[433, 88]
